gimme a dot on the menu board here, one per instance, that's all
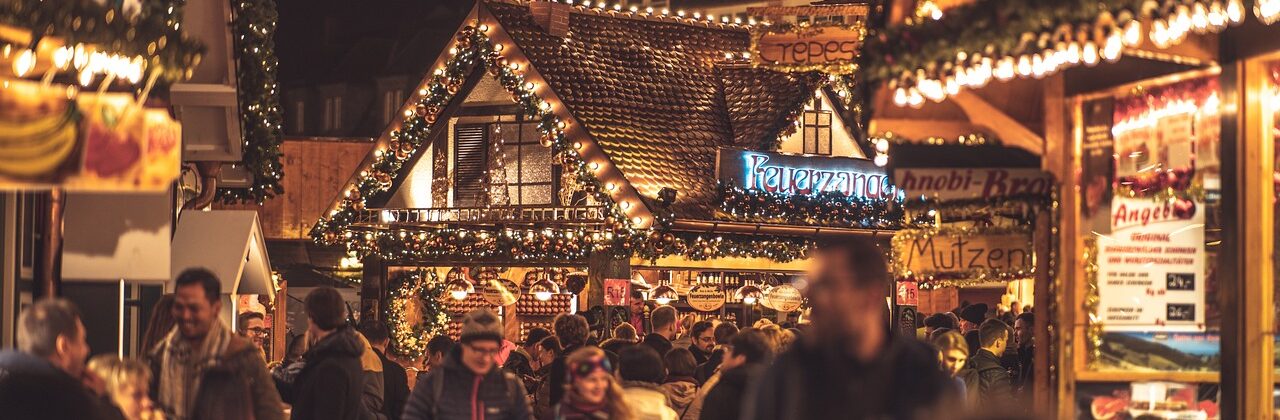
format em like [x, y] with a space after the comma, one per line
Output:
[1151, 268]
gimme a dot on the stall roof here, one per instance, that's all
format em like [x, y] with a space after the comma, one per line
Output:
[657, 95]
[227, 242]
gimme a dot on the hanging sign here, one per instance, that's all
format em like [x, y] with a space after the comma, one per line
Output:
[617, 292]
[1151, 268]
[964, 254]
[908, 294]
[705, 297]
[963, 183]
[96, 142]
[830, 47]
[801, 174]
[784, 298]
[500, 292]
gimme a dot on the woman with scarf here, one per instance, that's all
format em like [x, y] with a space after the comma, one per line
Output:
[592, 393]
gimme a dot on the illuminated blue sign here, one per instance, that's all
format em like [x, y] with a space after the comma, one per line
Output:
[801, 174]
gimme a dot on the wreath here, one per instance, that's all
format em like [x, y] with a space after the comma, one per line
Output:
[409, 338]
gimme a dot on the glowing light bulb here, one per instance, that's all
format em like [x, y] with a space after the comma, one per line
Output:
[881, 160]
[458, 294]
[1111, 51]
[900, 97]
[1132, 33]
[1090, 53]
[1235, 11]
[24, 63]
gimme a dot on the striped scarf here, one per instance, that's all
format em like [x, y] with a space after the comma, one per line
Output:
[182, 364]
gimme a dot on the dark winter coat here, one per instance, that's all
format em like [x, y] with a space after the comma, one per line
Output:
[32, 388]
[994, 389]
[455, 392]
[705, 370]
[814, 381]
[724, 401]
[699, 356]
[331, 384]
[395, 386]
[659, 343]
[559, 370]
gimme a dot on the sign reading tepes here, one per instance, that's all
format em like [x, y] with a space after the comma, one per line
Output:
[804, 174]
[828, 47]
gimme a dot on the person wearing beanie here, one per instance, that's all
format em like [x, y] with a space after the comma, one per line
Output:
[469, 383]
[970, 318]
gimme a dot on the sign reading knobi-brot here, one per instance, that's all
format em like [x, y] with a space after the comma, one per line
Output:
[802, 174]
[961, 183]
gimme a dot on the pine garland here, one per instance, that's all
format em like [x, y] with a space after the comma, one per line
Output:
[408, 339]
[259, 97]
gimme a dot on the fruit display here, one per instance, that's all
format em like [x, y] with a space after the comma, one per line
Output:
[38, 128]
[126, 144]
[531, 306]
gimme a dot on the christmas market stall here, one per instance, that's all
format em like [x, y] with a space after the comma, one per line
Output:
[1156, 119]
[546, 155]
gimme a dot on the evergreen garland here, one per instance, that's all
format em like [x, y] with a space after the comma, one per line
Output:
[259, 97]
[828, 208]
[408, 339]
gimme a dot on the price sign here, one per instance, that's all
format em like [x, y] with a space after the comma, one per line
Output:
[908, 294]
[617, 292]
[500, 292]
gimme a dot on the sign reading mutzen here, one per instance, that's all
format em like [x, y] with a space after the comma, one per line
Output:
[802, 174]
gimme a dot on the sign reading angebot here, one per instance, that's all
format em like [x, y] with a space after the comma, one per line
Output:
[803, 174]
[1151, 267]
[962, 183]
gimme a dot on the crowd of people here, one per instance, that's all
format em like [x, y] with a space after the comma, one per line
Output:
[846, 363]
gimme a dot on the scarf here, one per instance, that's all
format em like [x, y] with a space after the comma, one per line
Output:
[183, 362]
[575, 408]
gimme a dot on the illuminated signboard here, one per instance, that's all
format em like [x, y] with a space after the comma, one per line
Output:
[803, 174]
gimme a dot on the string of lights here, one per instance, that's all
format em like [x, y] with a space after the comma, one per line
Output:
[260, 118]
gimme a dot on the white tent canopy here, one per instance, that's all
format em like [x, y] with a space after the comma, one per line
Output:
[230, 244]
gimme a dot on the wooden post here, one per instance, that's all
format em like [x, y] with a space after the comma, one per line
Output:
[48, 267]
[372, 288]
[280, 318]
[602, 266]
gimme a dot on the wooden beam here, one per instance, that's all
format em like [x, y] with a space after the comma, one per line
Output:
[1008, 130]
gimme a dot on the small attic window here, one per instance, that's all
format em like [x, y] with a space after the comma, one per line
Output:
[816, 130]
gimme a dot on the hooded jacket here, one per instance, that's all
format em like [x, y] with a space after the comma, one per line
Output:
[724, 400]
[455, 392]
[647, 401]
[331, 385]
[681, 393]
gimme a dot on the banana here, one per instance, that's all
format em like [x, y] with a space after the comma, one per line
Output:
[11, 131]
[32, 139]
[61, 144]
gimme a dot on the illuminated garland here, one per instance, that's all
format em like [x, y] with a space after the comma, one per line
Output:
[829, 208]
[1003, 39]
[410, 339]
[1021, 209]
[472, 48]
[702, 247]
[524, 245]
[153, 31]
[1092, 301]
[260, 121]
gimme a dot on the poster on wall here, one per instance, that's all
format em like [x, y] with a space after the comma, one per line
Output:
[617, 292]
[1151, 272]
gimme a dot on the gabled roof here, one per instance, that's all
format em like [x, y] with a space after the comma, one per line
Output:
[656, 94]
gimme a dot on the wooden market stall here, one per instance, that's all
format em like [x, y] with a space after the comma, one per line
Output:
[512, 160]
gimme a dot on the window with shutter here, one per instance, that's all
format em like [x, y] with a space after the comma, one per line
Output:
[471, 141]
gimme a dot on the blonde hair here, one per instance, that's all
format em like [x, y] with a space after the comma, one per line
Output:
[117, 374]
[618, 409]
[774, 334]
[949, 341]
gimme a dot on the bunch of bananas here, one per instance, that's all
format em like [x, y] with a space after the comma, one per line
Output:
[36, 145]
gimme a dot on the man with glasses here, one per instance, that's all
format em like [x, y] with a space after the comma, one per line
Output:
[252, 325]
[703, 341]
[469, 384]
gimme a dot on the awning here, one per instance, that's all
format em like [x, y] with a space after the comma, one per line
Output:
[227, 242]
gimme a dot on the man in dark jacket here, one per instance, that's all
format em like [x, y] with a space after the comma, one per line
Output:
[723, 333]
[995, 394]
[745, 358]
[663, 321]
[850, 366]
[42, 378]
[469, 384]
[1024, 334]
[331, 383]
[395, 382]
[571, 330]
